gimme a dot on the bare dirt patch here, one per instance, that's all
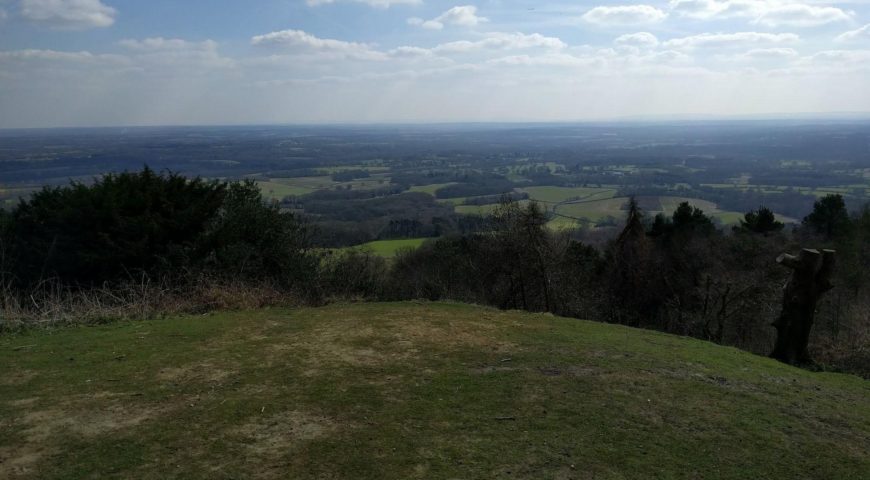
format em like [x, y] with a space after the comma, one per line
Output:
[41, 429]
[195, 372]
[390, 342]
[271, 437]
[17, 378]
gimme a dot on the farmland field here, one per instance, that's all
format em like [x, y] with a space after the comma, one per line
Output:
[389, 248]
[430, 189]
[562, 194]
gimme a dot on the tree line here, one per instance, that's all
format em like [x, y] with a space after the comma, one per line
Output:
[677, 273]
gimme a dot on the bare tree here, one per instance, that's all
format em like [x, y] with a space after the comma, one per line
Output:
[810, 279]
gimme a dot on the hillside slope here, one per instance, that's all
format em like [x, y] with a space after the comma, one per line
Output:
[412, 390]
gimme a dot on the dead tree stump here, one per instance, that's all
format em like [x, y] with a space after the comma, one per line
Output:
[811, 279]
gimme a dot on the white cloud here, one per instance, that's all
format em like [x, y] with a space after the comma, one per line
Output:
[302, 42]
[770, 13]
[549, 60]
[731, 40]
[842, 57]
[371, 3]
[799, 15]
[639, 39]
[57, 56]
[160, 52]
[763, 55]
[624, 15]
[707, 9]
[502, 41]
[862, 33]
[410, 52]
[69, 14]
[165, 44]
[464, 16]
[771, 53]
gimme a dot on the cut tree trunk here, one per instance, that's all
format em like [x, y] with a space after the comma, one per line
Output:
[810, 279]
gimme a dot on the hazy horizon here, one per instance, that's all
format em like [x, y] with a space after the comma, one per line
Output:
[100, 63]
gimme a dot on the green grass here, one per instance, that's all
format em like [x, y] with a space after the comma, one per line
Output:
[414, 390]
[277, 191]
[389, 248]
[278, 188]
[561, 194]
[482, 210]
[597, 210]
[430, 189]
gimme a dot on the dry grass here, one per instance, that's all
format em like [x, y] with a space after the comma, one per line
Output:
[51, 304]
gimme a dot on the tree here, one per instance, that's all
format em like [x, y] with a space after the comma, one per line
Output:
[829, 217]
[692, 219]
[630, 272]
[524, 245]
[249, 238]
[120, 226]
[761, 221]
[686, 221]
[811, 278]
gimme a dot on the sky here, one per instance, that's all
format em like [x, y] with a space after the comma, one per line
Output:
[225, 62]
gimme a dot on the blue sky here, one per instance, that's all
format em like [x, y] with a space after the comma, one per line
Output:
[124, 62]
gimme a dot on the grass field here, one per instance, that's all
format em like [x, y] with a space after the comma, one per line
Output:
[561, 194]
[414, 390]
[389, 248]
[598, 210]
[430, 189]
[861, 190]
[482, 209]
[278, 188]
[277, 191]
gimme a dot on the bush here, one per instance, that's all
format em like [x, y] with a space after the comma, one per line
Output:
[129, 225]
[352, 274]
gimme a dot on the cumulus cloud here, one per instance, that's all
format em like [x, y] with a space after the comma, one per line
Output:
[502, 41]
[799, 15]
[862, 33]
[639, 39]
[57, 56]
[69, 14]
[464, 16]
[371, 3]
[844, 57]
[165, 44]
[303, 42]
[410, 52]
[548, 60]
[770, 13]
[731, 40]
[764, 55]
[159, 51]
[771, 53]
[624, 15]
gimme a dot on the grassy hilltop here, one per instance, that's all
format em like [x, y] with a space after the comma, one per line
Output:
[410, 390]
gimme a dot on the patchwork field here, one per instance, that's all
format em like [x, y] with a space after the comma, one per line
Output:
[389, 248]
[414, 390]
[562, 194]
[278, 188]
[430, 189]
[597, 211]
